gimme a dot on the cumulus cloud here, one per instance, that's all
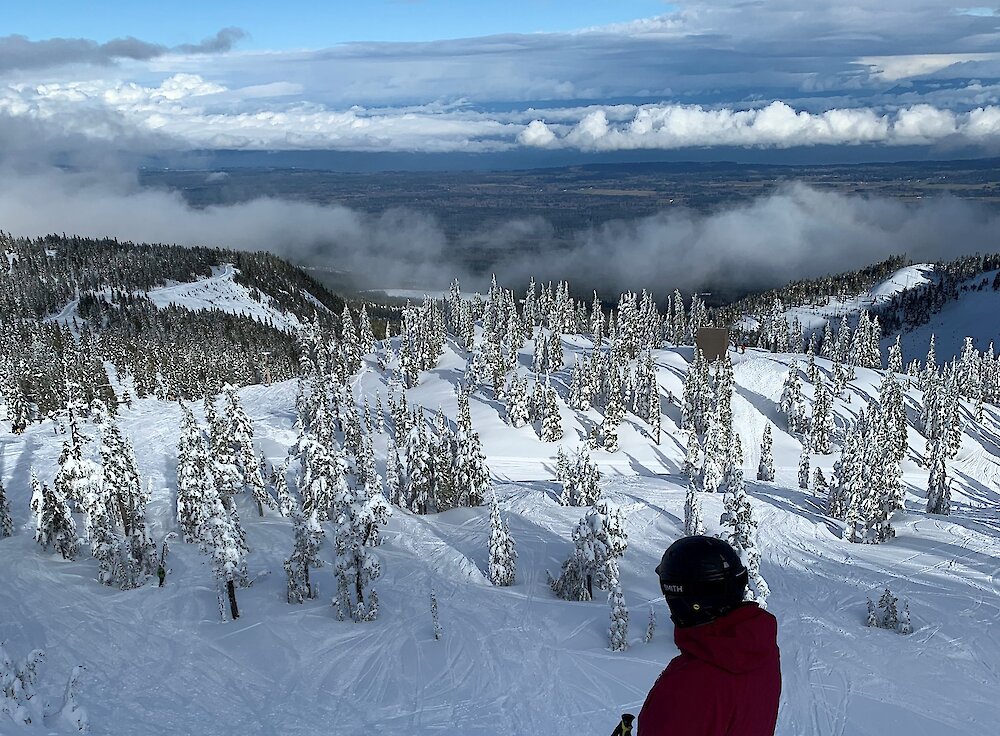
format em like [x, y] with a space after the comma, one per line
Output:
[188, 111]
[776, 125]
[20, 52]
[795, 232]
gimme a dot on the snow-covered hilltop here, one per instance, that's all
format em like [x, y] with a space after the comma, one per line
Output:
[464, 460]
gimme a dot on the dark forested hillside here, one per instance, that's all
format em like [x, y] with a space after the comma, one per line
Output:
[68, 304]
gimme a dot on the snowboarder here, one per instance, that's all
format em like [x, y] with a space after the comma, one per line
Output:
[727, 678]
[161, 573]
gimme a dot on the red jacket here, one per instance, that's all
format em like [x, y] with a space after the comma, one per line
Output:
[725, 682]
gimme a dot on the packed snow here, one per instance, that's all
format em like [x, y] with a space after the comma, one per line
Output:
[516, 659]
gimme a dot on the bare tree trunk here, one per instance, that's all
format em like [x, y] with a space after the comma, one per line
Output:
[309, 587]
[231, 590]
[260, 508]
[357, 583]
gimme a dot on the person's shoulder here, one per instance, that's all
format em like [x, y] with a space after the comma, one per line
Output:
[689, 674]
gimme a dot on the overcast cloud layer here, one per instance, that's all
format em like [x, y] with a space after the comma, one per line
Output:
[769, 74]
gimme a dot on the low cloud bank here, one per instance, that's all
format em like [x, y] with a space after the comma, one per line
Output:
[795, 232]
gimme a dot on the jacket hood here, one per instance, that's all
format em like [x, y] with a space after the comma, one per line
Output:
[743, 640]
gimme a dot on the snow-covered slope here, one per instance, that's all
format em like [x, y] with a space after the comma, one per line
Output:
[973, 314]
[816, 316]
[220, 291]
[518, 660]
[976, 313]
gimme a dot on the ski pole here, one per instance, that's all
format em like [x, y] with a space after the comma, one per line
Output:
[624, 727]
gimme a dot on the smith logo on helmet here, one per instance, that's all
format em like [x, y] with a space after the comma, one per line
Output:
[672, 588]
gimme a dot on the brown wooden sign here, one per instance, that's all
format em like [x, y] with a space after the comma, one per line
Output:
[712, 341]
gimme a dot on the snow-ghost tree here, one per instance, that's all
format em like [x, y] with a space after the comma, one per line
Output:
[18, 700]
[502, 554]
[619, 620]
[6, 521]
[358, 514]
[241, 437]
[821, 425]
[738, 517]
[804, 467]
[518, 410]
[305, 555]
[551, 422]
[765, 469]
[792, 404]
[598, 540]
[938, 483]
[54, 525]
[194, 484]
[579, 477]
[693, 524]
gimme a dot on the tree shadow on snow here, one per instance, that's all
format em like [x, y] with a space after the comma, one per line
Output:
[799, 503]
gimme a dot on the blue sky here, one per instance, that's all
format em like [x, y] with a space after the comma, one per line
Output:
[312, 24]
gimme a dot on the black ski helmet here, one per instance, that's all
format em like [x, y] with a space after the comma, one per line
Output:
[702, 578]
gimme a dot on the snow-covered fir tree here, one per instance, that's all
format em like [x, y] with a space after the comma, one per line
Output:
[905, 626]
[223, 539]
[321, 476]
[619, 620]
[887, 605]
[579, 477]
[693, 523]
[54, 525]
[194, 484]
[692, 457]
[308, 536]
[78, 480]
[551, 421]
[72, 716]
[240, 431]
[696, 398]
[6, 521]
[792, 404]
[872, 618]
[650, 627]
[279, 481]
[715, 460]
[821, 424]
[895, 364]
[127, 552]
[19, 701]
[358, 515]
[366, 337]
[765, 469]
[804, 468]
[938, 482]
[741, 525]
[471, 476]
[864, 494]
[516, 396]
[435, 618]
[502, 554]
[394, 474]
[820, 489]
[598, 541]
